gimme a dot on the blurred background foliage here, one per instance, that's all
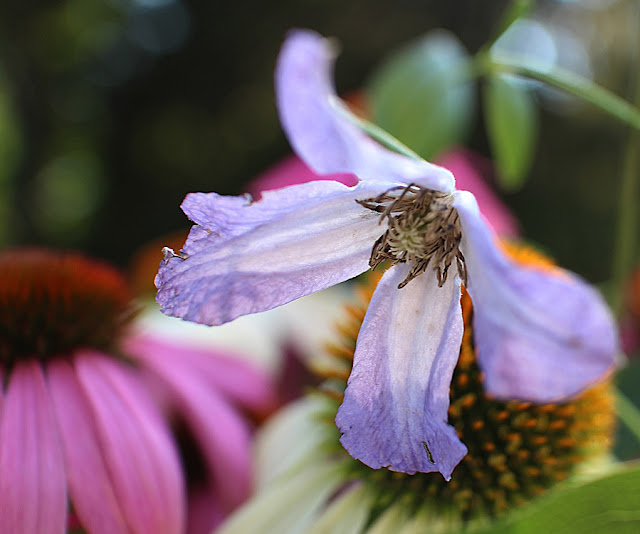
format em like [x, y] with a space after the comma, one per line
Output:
[112, 110]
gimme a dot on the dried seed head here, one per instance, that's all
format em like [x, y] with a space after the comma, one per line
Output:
[423, 228]
[55, 302]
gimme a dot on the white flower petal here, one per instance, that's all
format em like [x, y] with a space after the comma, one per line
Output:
[347, 514]
[289, 507]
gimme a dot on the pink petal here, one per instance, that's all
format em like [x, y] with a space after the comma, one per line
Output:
[33, 496]
[289, 171]
[237, 380]
[220, 431]
[90, 486]
[318, 126]
[204, 512]
[247, 258]
[541, 335]
[140, 455]
[466, 167]
[394, 412]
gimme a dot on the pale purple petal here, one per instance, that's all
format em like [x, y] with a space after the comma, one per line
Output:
[396, 402]
[541, 335]
[237, 380]
[220, 431]
[138, 449]
[33, 494]
[94, 503]
[252, 258]
[317, 124]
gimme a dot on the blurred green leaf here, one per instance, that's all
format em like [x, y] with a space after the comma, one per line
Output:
[512, 128]
[628, 382]
[608, 505]
[423, 95]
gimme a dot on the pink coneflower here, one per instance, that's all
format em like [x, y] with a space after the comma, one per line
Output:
[83, 440]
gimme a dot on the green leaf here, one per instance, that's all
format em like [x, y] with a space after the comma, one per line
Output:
[423, 95]
[608, 505]
[512, 128]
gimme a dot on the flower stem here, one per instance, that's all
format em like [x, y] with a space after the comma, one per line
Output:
[628, 414]
[624, 252]
[570, 83]
[380, 135]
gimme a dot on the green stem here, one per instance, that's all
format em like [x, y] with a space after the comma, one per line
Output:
[377, 133]
[568, 82]
[516, 10]
[628, 414]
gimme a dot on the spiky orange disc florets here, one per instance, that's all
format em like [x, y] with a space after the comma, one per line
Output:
[53, 302]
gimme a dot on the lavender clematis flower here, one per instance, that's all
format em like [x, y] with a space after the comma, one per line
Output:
[541, 336]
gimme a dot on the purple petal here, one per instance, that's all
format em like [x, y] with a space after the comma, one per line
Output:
[95, 503]
[138, 450]
[220, 431]
[541, 335]
[250, 258]
[319, 130]
[395, 406]
[33, 493]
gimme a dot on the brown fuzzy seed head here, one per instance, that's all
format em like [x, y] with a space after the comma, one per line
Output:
[52, 303]
[517, 450]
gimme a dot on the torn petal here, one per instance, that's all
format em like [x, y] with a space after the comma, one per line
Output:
[541, 335]
[318, 127]
[395, 406]
[303, 238]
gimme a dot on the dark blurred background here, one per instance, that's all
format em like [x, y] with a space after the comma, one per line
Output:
[112, 110]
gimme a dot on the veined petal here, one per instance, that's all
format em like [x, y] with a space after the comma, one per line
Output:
[317, 124]
[95, 503]
[395, 406]
[137, 448]
[303, 238]
[33, 494]
[541, 335]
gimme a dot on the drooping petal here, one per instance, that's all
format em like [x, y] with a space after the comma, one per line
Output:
[138, 450]
[540, 335]
[291, 439]
[237, 380]
[319, 130]
[33, 494]
[94, 503]
[347, 514]
[250, 258]
[221, 432]
[304, 495]
[394, 412]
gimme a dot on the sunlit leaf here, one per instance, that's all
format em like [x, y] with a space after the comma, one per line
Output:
[512, 128]
[423, 95]
[607, 505]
